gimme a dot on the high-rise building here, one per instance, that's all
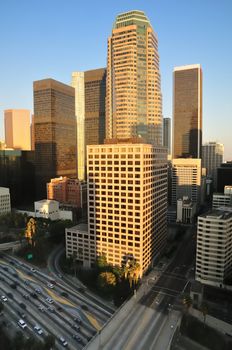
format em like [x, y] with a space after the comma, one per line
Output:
[55, 132]
[167, 134]
[186, 179]
[223, 199]
[32, 132]
[17, 129]
[224, 176]
[17, 172]
[213, 258]
[212, 158]
[95, 94]
[78, 83]
[187, 112]
[127, 193]
[133, 93]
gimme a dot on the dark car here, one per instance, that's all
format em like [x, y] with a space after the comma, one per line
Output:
[76, 337]
[23, 306]
[34, 295]
[77, 319]
[10, 295]
[84, 307]
[13, 285]
[64, 294]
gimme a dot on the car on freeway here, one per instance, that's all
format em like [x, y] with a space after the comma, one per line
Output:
[76, 327]
[38, 290]
[33, 270]
[77, 319]
[22, 324]
[5, 268]
[63, 342]
[26, 296]
[21, 314]
[76, 337]
[50, 285]
[38, 330]
[4, 298]
[2, 279]
[41, 308]
[84, 307]
[59, 275]
[23, 306]
[64, 294]
[10, 295]
[50, 300]
[26, 282]
[34, 295]
[51, 309]
[12, 262]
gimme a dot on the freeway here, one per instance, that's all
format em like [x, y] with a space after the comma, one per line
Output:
[157, 300]
[50, 303]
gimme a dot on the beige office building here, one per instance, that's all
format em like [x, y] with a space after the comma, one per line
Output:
[127, 193]
[186, 179]
[213, 258]
[187, 111]
[17, 129]
[133, 92]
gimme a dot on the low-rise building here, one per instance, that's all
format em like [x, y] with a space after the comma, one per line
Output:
[80, 245]
[47, 209]
[214, 248]
[5, 206]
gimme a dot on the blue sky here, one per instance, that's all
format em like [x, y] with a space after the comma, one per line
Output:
[52, 38]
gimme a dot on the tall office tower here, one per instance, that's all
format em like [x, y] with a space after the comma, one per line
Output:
[95, 94]
[186, 179]
[127, 193]
[133, 93]
[167, 134]
[223, 199]
[212, 158]
[224, 176]
[17, 129]
[78, 83]
[187, 112]
[213, 258]
[55, 132]
[32, 132]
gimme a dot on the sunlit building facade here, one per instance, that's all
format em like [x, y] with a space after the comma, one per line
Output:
[78, 83]
[17, 129]
[187, 111]
[212, 158]
[133, 93]
[127, 193]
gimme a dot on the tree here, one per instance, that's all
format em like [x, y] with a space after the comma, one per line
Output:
[204, 310]
[132, 271]
[30, 231]
[187, 301]
[49, 342]
[106, 281]
[102, 262]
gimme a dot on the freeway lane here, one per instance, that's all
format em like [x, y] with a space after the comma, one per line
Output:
[141, 326]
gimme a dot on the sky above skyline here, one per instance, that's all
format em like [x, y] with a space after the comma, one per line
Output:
[52, 38]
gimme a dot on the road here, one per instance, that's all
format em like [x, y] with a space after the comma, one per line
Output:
[162, 298]
[28, 289]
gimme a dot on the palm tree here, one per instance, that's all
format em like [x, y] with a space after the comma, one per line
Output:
[204, 310]
[30, 231]
[132, 271]
[187, 302]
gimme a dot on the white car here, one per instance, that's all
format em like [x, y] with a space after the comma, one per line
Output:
[50, 285]
[33, 270]
[22, 324]
[50, 300]
[38, 330]
[4, 298]
[63, 341]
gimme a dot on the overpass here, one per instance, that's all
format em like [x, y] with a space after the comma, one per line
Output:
[10, 245]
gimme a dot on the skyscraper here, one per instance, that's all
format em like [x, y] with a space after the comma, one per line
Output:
[17, 129]
[133, 94]
[167, 134]
[95, 94]
[187, 112]
[55, 132]
[127, 196]
[78, 83]
[212, 158]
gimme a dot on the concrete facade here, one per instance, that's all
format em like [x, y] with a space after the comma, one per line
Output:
[47, 209]
[5, 205]
[17, 129]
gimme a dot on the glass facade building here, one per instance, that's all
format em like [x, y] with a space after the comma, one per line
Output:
[133, 93]
[17, 172]
[187, 112]
[55, 132]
